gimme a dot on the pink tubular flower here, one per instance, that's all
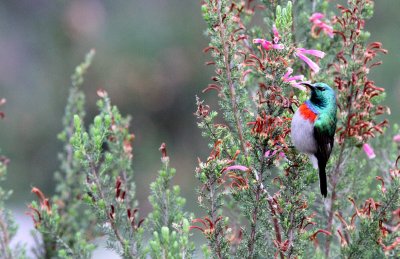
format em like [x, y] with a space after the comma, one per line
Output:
[268, 153]
[320, 25]
[268, 45]
[237, 167]
[301, 54]
[276, 34]
[293, 80]
[316, 17]
[369, 151]
[396, 138]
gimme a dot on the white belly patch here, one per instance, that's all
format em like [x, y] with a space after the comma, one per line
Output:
[303, 134]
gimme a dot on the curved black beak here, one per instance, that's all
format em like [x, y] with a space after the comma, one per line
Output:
[311, 86]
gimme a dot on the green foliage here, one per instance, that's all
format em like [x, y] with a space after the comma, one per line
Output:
[66, 232]
[168, 222]
[258, 200]
[104, 152]
[8, 227]
[370, 229]
[283, 20]
[96, 192]
[258, 193]
[269, 189]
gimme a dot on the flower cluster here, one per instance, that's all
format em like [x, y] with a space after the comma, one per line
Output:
[320, 26]
[208, 225]
[131, 214]
[372, 211]
[268, 45]
[260, 129]
[266, 127]
[256, 190]
[301, 53]
[237, 182]
[295, 81]
[360, 109]
[37, 213]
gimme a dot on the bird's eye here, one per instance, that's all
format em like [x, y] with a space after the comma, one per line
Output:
[320, 88]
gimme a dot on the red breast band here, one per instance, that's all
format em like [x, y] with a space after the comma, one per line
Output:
[307, 113]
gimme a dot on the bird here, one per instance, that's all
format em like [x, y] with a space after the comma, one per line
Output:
[313, 128]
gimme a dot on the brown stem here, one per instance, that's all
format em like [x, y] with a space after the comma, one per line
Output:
[261, 190]
[313, 6]
[376, 218]
[251, 241]
[291, 232]
[102, 196]
[334, 181]
[5, 240]
[128, 191]
[390, 202]
[293, 25]
[165, 203]
[335, 176]
[68, 163]
[124, 175]
[250, 244]
[330, 221]
[276, 226]
[213, 216]
[231, 83]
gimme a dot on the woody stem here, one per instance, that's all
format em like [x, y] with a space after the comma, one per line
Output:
[231, 83]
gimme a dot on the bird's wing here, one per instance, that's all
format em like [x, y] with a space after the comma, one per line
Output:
[324, 146]
[324, 131]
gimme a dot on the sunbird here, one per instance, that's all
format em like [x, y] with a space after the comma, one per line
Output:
[313, 128]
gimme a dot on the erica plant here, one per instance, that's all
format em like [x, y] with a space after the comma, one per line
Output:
[8, 226]
[260, 197]
[259, 193]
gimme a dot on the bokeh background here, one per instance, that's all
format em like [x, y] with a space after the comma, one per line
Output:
[149, 59]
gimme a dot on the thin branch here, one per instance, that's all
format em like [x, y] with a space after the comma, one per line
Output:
[102, 196]
[259, 190]
[5, 240]
[213, 215]
[336, 173]
[231, 83]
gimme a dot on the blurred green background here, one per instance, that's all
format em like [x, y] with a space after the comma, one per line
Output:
[149, 59]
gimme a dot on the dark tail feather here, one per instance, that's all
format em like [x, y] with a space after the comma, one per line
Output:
[322, 177]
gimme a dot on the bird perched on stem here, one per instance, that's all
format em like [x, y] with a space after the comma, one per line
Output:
[314, 126]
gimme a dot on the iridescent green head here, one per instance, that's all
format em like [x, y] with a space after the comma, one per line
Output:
[322, 95]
